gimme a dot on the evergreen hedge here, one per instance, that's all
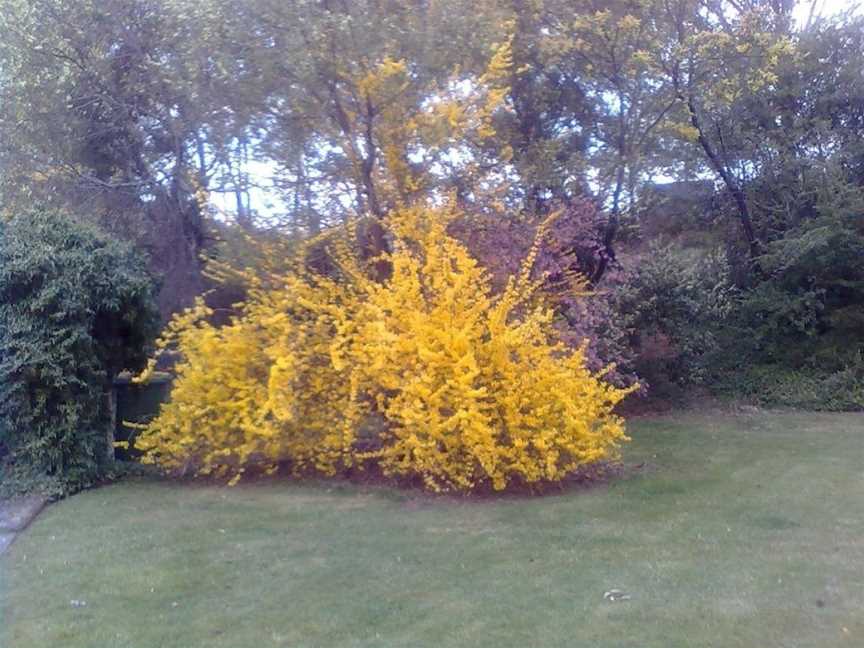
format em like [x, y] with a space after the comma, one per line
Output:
[76, 307]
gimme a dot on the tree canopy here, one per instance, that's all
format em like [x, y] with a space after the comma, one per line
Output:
[140, 114]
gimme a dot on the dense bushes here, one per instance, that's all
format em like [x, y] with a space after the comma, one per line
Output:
[428, 374]
[676, 305]
[812, 389]
[75, 308]
[791, 332]
[796, 336]
[809, 309]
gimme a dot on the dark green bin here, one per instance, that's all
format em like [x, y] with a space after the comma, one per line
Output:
[137, 403]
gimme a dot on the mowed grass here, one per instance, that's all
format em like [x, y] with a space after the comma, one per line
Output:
[742, 530]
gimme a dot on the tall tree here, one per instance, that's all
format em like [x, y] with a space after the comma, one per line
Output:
[113, 108]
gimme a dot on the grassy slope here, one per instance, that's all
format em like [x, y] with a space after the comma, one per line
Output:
[746, 531]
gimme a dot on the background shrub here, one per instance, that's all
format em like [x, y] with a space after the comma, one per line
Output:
[773, 385]
[76, 307]
[676, 304]
[796, 335]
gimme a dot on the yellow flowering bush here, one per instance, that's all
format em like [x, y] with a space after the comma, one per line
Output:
[261, 390]
[456, 385]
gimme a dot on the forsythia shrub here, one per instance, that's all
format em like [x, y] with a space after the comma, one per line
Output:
[464, 386]
[260, 390]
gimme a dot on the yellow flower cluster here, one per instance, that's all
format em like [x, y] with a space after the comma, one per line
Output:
[428, 374]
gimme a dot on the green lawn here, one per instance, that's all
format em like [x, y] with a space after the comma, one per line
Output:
[744, 530]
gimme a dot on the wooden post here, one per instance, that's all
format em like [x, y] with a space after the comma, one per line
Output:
[111, 395]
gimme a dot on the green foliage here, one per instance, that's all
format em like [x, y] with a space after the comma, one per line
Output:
[797, 336]
[675, 305]
[76, 307]
[773, 385]
[811, 305]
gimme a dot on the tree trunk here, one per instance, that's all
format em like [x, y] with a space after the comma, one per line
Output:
[731, 184]
[610, 231]
[373, 243]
